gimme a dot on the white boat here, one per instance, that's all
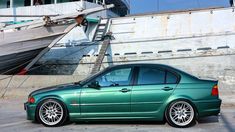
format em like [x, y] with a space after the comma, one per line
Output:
[19, 47]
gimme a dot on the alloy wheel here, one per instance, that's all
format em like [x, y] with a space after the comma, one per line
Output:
[181, 113]
[51, 112]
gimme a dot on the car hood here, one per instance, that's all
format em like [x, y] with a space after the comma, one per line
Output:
[54, 88]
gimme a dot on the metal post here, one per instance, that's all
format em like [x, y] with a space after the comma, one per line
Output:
[55, 1]
[233, 2]
[103, 2]
[11, 3]
[31, 2]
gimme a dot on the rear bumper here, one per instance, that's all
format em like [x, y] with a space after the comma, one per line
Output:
[208, 108]
[30, 111]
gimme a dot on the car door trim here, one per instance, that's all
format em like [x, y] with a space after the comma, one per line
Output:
[74, 104]
[134, 103]
[94, 104]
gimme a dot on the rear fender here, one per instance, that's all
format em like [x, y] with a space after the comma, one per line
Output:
[179, 98]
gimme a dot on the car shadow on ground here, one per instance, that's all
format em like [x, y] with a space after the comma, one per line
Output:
[210, 119]
[120, 123]
[206, 120]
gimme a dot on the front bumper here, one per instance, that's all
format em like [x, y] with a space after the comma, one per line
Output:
[30, 111]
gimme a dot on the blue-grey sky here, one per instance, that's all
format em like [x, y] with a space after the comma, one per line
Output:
[146, 6]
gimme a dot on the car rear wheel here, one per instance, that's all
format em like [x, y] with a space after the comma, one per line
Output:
[51, 113]
[180, 114]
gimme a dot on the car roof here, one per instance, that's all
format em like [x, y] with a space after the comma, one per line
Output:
[155, 64]
[142, 64]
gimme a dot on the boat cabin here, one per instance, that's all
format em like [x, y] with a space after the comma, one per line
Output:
[121, 5]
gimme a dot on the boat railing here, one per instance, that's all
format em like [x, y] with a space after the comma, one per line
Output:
[56, 19]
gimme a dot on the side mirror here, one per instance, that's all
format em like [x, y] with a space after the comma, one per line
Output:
[94, 84]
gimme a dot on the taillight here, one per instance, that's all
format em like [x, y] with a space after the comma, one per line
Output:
[215, 90]
[31, 100]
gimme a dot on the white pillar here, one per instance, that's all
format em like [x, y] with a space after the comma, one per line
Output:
[55, 1]
[31, 2]
[11, 3]
[233, 2]
[83, 4]
[103, 2]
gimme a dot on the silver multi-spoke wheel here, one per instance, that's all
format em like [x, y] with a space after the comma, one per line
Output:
[51, 112]
[181, 113]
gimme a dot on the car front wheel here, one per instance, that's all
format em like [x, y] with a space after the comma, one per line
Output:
[180, 114]
[51, 113]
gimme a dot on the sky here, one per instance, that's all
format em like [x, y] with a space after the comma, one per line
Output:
[149, 6]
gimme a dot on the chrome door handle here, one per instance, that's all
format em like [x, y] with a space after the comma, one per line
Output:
[125, 90]
[167, 88]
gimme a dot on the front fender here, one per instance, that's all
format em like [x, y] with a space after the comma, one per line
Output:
[40, 99]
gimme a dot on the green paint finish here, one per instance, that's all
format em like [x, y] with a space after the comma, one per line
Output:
[93, 20]
[137, 102]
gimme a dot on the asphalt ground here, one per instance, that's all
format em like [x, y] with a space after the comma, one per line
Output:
[13, 119]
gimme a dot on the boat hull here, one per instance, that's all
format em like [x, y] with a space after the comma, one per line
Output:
[14, 63]
[18, 48]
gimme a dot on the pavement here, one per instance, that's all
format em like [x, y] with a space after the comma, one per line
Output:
[13, 119]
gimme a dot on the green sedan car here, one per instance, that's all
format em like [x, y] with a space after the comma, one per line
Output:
[128, 92]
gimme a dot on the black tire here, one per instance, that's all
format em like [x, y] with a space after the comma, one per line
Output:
[62, 119]
[180, 113]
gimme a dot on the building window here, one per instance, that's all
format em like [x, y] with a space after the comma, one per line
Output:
[47, 2]
[8, 4]
[27, 2]
[37, 2]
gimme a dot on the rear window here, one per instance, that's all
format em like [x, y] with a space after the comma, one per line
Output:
[150, 76]
[171, 78]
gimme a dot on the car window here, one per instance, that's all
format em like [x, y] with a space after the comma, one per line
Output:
[119, 77]
[148, 76]
[171, 78]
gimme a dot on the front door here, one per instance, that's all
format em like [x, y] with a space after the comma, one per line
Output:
[112, 96]
[153, 87]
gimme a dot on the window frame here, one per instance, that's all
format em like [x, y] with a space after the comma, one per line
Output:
[166, 70]
[110, 70]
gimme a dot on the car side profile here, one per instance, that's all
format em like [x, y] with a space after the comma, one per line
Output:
[128, 92]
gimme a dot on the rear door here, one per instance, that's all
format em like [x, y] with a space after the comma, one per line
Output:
[153, 86]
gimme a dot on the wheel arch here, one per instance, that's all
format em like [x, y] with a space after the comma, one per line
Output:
[181, 98]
